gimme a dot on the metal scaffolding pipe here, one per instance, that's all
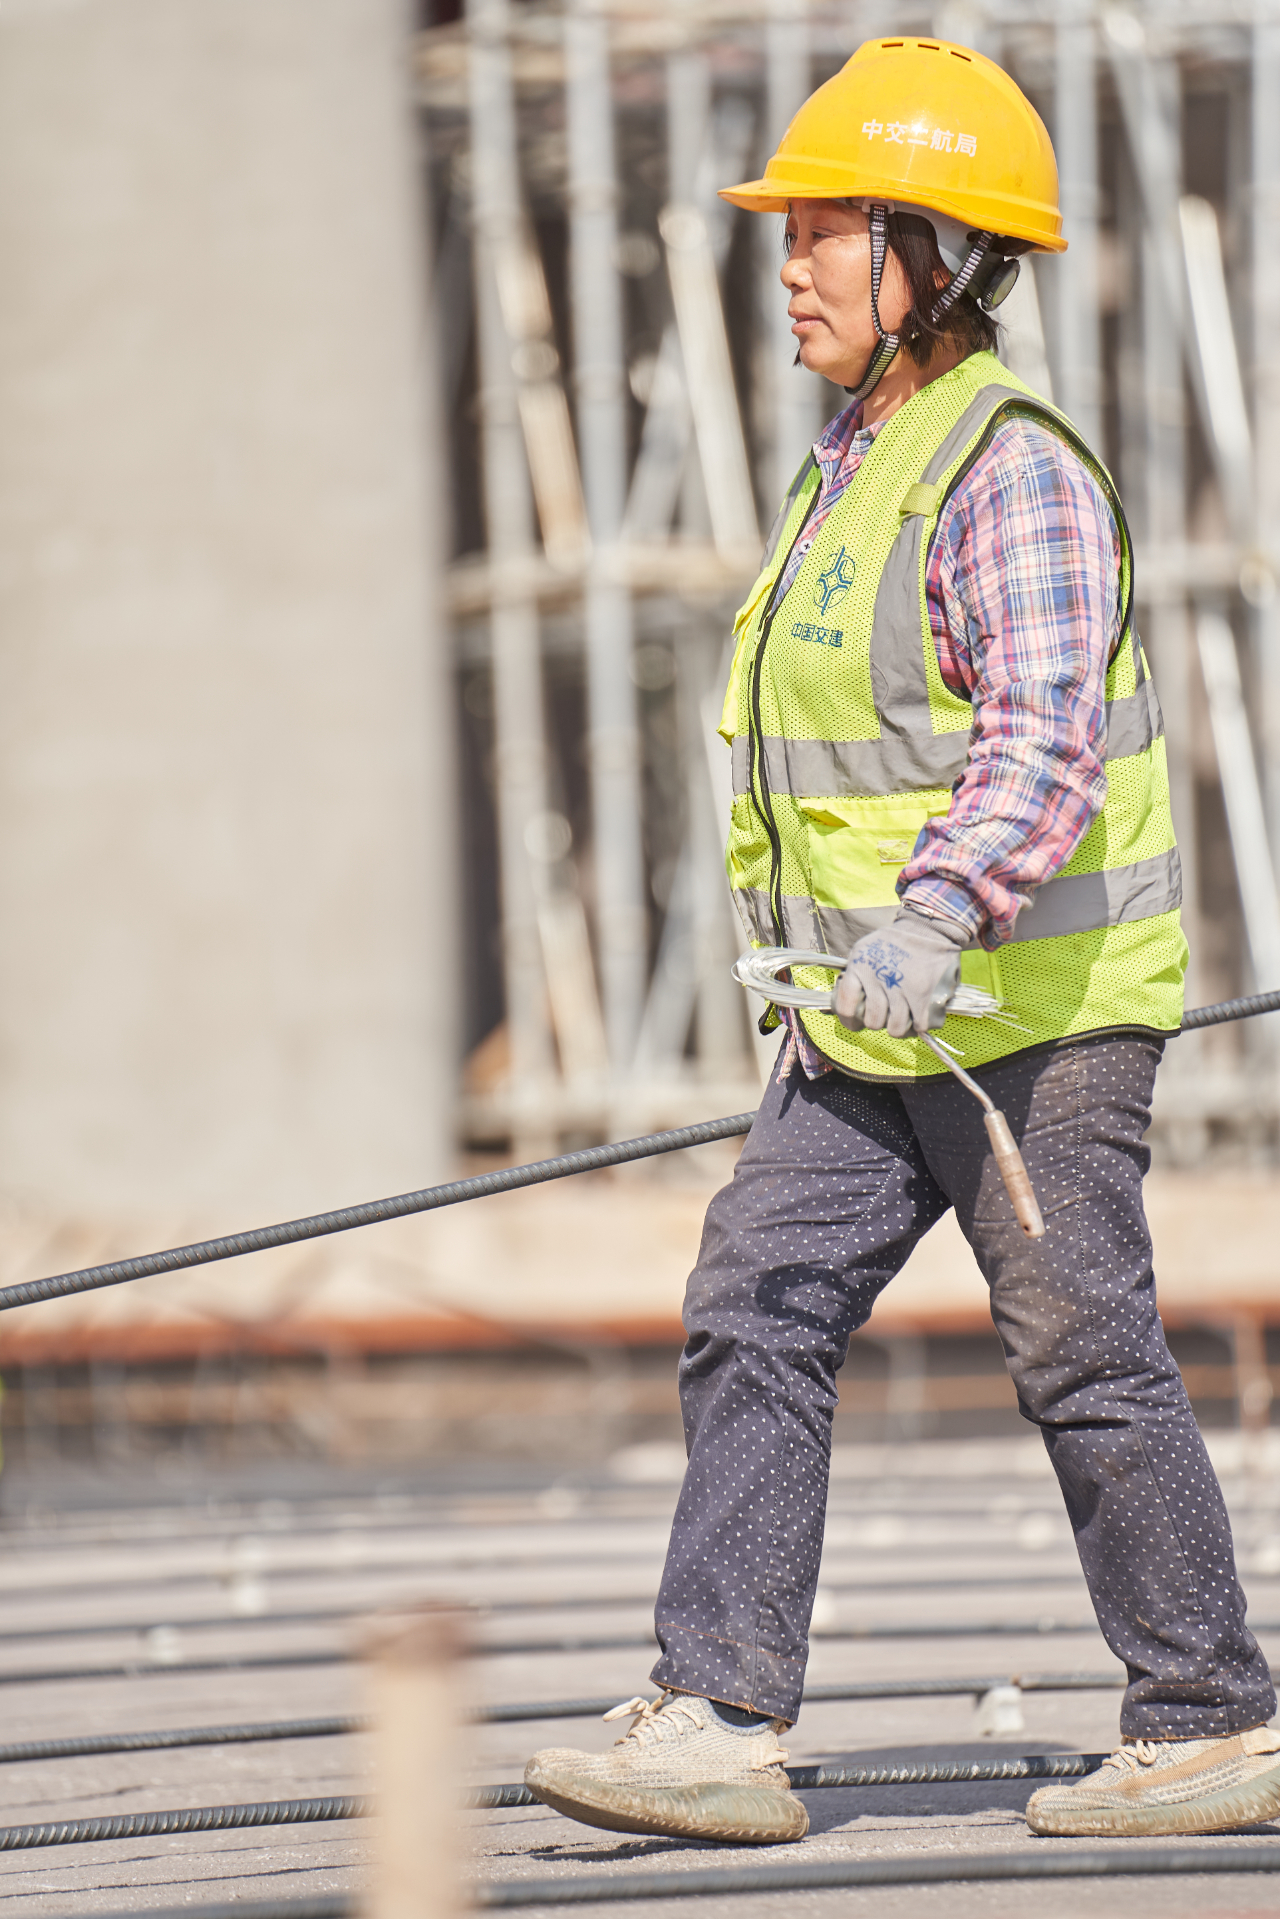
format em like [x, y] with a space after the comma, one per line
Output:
[704, 343]
[688, 131]
[519, 727]
[1077, 332]
[613, 738]
[1266, 389]
[1242, 795]
[1216, 362]
[1148, 90]
[795, 408]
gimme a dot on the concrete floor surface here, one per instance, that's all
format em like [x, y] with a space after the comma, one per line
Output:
[936, 1549]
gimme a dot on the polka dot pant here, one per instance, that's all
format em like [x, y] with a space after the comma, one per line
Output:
[838, 1181]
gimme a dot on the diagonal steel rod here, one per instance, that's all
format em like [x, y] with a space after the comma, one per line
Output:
[318, 1225]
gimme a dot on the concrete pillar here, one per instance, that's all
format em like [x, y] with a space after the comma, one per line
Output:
[224, 783]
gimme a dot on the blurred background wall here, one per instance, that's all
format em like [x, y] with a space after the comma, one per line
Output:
[222, 725]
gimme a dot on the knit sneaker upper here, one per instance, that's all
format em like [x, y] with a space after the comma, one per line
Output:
[678, 1740]
[1171, 1785]
[1167, 1771]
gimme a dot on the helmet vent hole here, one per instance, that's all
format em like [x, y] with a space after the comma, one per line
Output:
[957, 55]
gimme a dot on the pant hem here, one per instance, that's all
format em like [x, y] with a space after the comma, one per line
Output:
[737, 1673]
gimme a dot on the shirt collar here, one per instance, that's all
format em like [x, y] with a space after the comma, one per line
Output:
[842, 439]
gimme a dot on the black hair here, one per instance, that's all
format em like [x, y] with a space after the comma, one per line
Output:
[914, 242]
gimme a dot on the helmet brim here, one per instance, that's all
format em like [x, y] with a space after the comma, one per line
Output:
[1005, 214]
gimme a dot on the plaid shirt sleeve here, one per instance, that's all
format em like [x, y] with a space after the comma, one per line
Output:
[1023, 590]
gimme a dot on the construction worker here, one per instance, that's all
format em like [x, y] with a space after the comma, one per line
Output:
[948, 764]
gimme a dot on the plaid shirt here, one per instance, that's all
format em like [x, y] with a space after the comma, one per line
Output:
[1023, 590]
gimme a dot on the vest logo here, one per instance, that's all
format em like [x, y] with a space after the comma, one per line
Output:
[824, 635]
[834, 583]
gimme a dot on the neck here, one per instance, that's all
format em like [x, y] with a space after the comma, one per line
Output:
[904, 380]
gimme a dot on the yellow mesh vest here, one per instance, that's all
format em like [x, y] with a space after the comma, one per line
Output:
[846, 740]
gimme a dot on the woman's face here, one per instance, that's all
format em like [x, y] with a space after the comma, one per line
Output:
[828, 275]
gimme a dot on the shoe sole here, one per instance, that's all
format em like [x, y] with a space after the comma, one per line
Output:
[1246, 1805]
[734, 1815]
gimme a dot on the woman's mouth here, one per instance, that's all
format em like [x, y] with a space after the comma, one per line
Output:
[803, 323]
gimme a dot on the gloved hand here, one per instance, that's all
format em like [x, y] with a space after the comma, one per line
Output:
[894, 976]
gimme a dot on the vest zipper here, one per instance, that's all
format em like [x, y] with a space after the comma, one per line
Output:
[755, 735]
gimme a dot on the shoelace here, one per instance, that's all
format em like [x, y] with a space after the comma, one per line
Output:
[1145, 1752]
[1142, 1752]
[653, 1718]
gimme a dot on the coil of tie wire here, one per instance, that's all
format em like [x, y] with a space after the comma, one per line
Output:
[759, 972]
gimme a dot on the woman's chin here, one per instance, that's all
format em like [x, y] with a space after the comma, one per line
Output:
[833, 366]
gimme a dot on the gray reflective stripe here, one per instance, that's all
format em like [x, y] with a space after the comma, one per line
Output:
[776, 531]
[841, 931]
[1077, 903]
[800, 926]
[1139, 663]
[1083, 902]
[1133, 722]
[740, 750]
[853, 769]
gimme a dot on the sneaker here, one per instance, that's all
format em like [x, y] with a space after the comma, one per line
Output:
[1154, 1786]
[681, 1770]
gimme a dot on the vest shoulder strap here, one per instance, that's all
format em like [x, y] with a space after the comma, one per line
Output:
[1010, 404]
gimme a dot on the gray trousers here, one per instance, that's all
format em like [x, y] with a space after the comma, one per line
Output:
[837, 1182]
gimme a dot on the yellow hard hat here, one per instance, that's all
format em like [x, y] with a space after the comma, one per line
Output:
[924, 123]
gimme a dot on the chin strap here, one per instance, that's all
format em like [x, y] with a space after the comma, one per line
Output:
[959, 282]
[887, 344]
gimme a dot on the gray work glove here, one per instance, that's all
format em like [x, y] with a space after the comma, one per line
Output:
[901, 977]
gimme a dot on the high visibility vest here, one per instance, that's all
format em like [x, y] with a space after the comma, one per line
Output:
[846, 740]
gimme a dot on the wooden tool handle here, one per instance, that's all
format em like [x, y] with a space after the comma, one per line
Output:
[1014, 1174]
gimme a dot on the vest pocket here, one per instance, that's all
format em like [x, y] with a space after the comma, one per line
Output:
[858, 847]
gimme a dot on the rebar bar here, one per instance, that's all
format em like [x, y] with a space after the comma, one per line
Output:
[922, 1869]
[315, 1905]
[146, 1825]
[150, 1668]
[509, 1179]
[203, 1252]
[951, 1772]
[169, 1739]
[1129, 1862]
[322, 1905]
